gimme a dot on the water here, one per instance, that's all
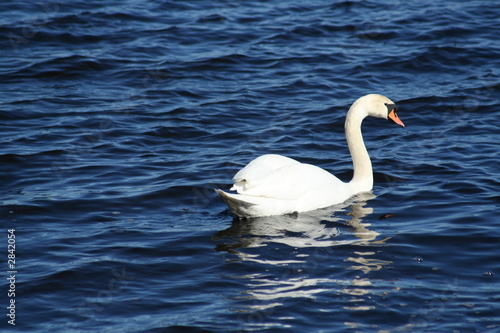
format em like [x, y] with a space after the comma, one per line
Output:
[119, 118]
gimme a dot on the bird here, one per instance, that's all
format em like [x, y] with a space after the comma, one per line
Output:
[273, 184]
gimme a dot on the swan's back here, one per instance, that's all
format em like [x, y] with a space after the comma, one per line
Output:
[255, 172]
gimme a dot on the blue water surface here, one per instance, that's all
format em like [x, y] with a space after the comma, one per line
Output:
[120, 118]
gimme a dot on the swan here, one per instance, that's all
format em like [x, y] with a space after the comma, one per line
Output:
[277, 185]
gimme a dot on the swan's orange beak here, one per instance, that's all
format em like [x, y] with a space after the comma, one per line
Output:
[394, 117]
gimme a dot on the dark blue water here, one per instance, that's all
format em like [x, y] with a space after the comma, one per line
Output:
[119, 118]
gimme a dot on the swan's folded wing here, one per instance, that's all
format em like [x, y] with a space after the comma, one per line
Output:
[286, 183]
[258, 170]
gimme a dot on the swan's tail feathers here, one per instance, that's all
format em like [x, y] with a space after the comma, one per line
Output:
[244, 205]
[236, 204]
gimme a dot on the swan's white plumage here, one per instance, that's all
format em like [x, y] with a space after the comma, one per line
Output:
[293, 187]
[276, 185]
[258, 170]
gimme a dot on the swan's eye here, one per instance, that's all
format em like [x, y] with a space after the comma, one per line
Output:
[391, 106]
[392, 114]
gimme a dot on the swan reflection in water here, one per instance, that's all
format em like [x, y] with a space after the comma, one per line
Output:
[297, 246]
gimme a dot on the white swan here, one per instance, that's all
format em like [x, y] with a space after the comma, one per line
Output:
[277, 185]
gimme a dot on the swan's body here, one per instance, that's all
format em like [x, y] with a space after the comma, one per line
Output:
[277, 185]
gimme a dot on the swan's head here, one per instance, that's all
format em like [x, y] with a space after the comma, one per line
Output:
[377, 106]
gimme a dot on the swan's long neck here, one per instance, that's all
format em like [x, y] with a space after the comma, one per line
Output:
[362, 179]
